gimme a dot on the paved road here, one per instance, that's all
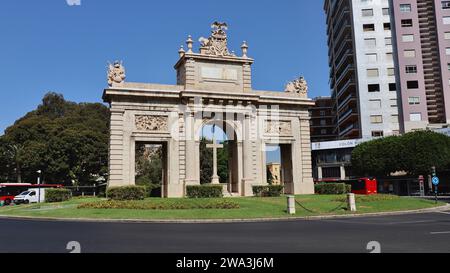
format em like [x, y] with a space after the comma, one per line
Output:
[428, 232]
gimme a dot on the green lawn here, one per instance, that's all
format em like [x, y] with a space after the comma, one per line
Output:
[249, 208]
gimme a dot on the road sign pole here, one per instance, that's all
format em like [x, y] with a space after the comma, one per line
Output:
[436, 193]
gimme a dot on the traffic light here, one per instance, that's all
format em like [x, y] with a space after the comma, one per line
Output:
[433, 171]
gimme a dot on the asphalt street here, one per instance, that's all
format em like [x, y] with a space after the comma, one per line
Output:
[428, 232]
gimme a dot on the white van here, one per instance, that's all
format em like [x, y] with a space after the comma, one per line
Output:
[30, 196]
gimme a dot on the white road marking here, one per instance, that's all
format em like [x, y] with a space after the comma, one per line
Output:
[440, 232]
[444, 212]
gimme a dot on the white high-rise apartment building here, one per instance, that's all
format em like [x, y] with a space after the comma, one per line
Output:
[362, 76]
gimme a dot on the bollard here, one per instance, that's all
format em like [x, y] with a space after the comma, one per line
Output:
[291, 204]
[351, 203]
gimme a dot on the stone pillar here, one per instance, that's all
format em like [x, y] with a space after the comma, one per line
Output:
[191, 177]
[247, 152]
[116, 151]
[343, 174]
[319, 173]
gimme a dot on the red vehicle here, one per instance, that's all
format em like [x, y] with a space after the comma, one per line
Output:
[9, 190]
[364, 186]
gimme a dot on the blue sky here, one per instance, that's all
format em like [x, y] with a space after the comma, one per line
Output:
[51, 46]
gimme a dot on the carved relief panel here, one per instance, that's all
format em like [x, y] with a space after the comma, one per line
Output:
[152, 123]
[278, 127]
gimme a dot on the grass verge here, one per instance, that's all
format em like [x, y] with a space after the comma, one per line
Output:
[247, 208]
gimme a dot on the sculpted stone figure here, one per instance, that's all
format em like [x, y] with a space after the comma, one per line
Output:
[298, 86]
[116, 73]
[217, 43]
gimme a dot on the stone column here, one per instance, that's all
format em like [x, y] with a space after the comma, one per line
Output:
[190, 151]
[248, 179]
[343, 174]
[319, 173]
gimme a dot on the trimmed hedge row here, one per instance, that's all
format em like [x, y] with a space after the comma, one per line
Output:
[181, 204]
[204, 191]
[333, 188]
[268, 191]
[126, 193]
[57, 195]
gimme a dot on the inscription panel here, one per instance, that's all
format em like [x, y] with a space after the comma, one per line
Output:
[219, 73]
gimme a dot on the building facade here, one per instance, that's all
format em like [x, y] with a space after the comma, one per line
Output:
[422, 30]
[362, 73]
[323, 120]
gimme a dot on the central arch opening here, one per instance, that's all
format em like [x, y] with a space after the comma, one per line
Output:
[218, 139]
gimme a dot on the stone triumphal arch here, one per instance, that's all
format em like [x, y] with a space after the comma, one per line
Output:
[214, 87]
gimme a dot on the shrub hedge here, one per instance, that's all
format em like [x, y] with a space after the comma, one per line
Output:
[204, 191]
[268, 191]
[126, 193]
[57, 195]
[180, 204]
[333, 188]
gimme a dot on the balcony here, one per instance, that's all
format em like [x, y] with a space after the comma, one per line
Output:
[351, 129]
[346, 101]
[341, 91]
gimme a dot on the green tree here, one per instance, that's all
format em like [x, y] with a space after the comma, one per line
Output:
[149, 167]
[65, 140]
[414, 153]
[206, 162]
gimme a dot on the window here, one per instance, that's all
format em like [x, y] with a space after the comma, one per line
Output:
[412, 84]
[408, 38]
[323, 131]
[393, 103]
[391, 72]
[387, 26]
[368, 27]
[377, 134]
[413, 100]
[372, 72]
[388, 41]
[394, 118]
[370, 42]
[447, 51]
[385, 11]
[415, 117]
[322, 113]
[409, 53]
[411, 69]
[407, 23]
[374, 87]
[372, 57]
[367, 12]
[446, 20]
[375, 104]
[392, 87]
[445, 4]
[405, 7]
[376, 119]
[447, 35]
[389, 57]
[323, 122]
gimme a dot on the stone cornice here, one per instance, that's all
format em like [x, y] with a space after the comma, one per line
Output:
[168, 92]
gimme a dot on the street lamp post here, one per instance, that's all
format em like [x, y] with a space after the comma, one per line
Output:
[39, 185]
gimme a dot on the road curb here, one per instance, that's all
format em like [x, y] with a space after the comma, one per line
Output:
[224, 221]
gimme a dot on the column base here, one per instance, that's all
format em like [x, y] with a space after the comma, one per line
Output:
[247, 186]
[215, 180]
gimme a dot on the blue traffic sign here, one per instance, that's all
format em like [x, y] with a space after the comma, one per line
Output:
[435, 181]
